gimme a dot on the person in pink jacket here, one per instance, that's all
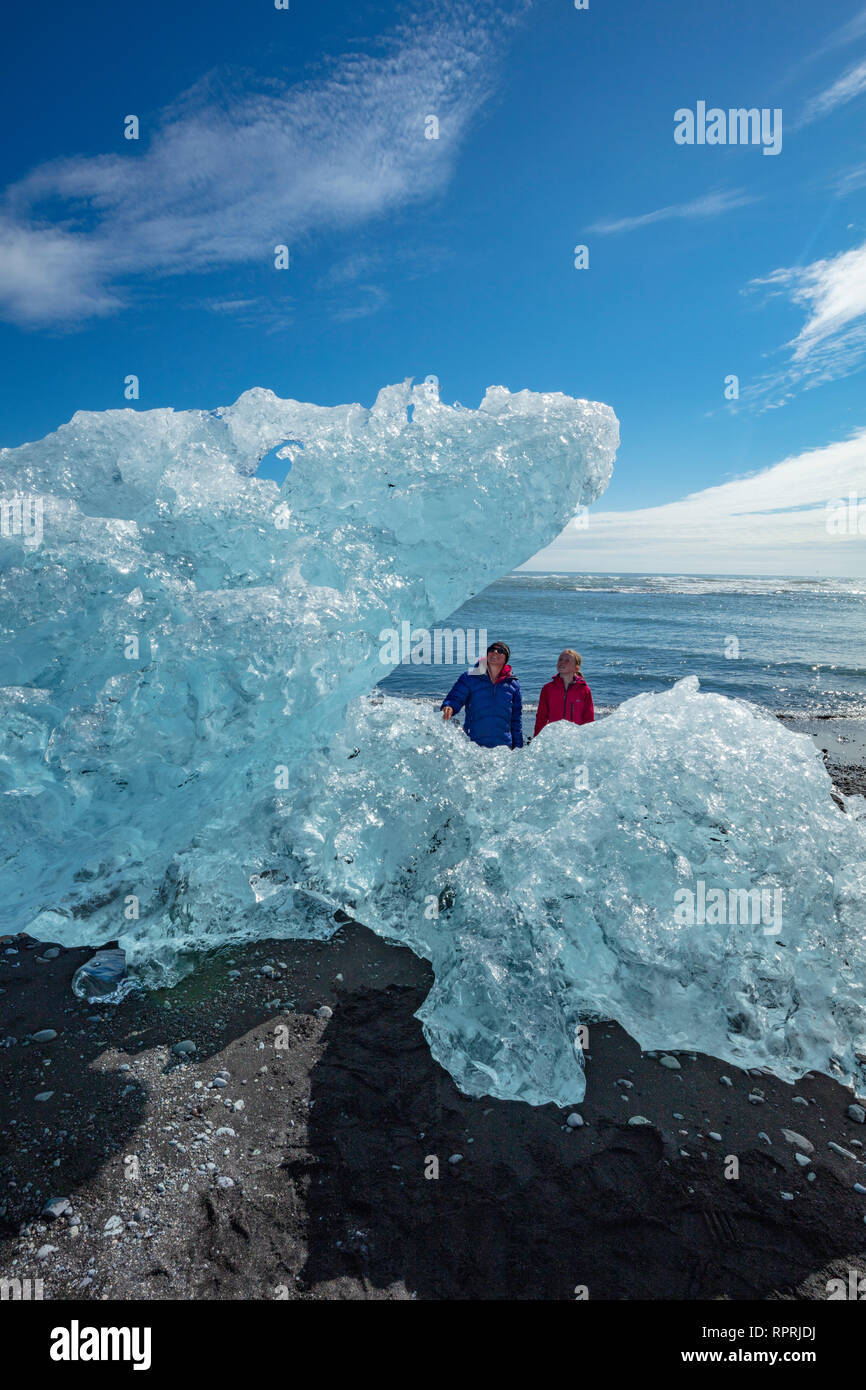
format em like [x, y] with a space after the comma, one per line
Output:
[567, 696]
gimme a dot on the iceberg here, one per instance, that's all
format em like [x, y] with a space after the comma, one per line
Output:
[190, 755]
[679, 866]
[185, 635]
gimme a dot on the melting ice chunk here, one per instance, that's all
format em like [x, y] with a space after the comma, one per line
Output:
[187, 635]
[679, 866]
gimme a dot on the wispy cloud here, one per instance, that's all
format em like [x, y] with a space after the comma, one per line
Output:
[367, 300]
[850, 85]
[229, 173]
[832, 341]
[849, 32]
[846, 33]
[775, 522]
[351, 269]
[351, 288]
[264, 313]
[850, 181]
[710, 205]
[833, 290]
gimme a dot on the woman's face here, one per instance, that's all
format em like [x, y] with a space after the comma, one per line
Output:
[495, 661]
[566, 665]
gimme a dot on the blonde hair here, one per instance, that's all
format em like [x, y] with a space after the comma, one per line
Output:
[569, 651]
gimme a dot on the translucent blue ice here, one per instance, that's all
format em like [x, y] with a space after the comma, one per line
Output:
[562, 883]
[186, 635]
[190, 755]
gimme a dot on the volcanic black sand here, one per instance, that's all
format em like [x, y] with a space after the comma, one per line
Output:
[304, 1176]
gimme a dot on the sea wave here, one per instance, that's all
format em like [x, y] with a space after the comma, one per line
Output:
[746, 585]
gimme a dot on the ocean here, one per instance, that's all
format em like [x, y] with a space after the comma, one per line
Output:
[793, 645]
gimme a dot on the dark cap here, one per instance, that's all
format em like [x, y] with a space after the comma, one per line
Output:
[505, 647]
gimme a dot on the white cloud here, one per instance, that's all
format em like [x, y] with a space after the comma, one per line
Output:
[366, 300]
[772, 523]
[835, 293]
[852, 180]
[710, 205]
[227, 175]
[849, 32]
[832, 341]
[839, 93]
[265, 314]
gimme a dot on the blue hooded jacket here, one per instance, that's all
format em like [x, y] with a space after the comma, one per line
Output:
[494, 711]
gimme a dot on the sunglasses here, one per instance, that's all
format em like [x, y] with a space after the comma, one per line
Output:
[500, 650]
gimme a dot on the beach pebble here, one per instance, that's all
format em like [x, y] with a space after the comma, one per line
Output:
[44, 1095]
[858, 1187]
[48, 1035]
[810, 1177]
[766, 1138]
[52, 953]
[639, 1120]
[574, 1120]
[802, 1159]
[670, 1062]
[324, 1012]
[713, 1135]
[755, 1098]
[113, 1226]
[857, 1114]
[787, 1196]
[837, 1149]
[182, 1048]
[678, 1116]
[219, 1082]
[622, 1082]
[55, 1207]
[238, 1105]
[798, 1140]
[725, 1081]
[456, 1158]
[225, 1182]
[44, 1251]
[799, 1100]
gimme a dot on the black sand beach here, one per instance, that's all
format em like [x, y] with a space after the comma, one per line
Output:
[303, 1176]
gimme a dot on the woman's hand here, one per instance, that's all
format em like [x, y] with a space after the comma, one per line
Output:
[447, 713]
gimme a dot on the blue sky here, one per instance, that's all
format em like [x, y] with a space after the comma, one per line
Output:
[455, 256]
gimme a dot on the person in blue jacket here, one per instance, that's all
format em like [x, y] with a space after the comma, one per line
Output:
[491, 695]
